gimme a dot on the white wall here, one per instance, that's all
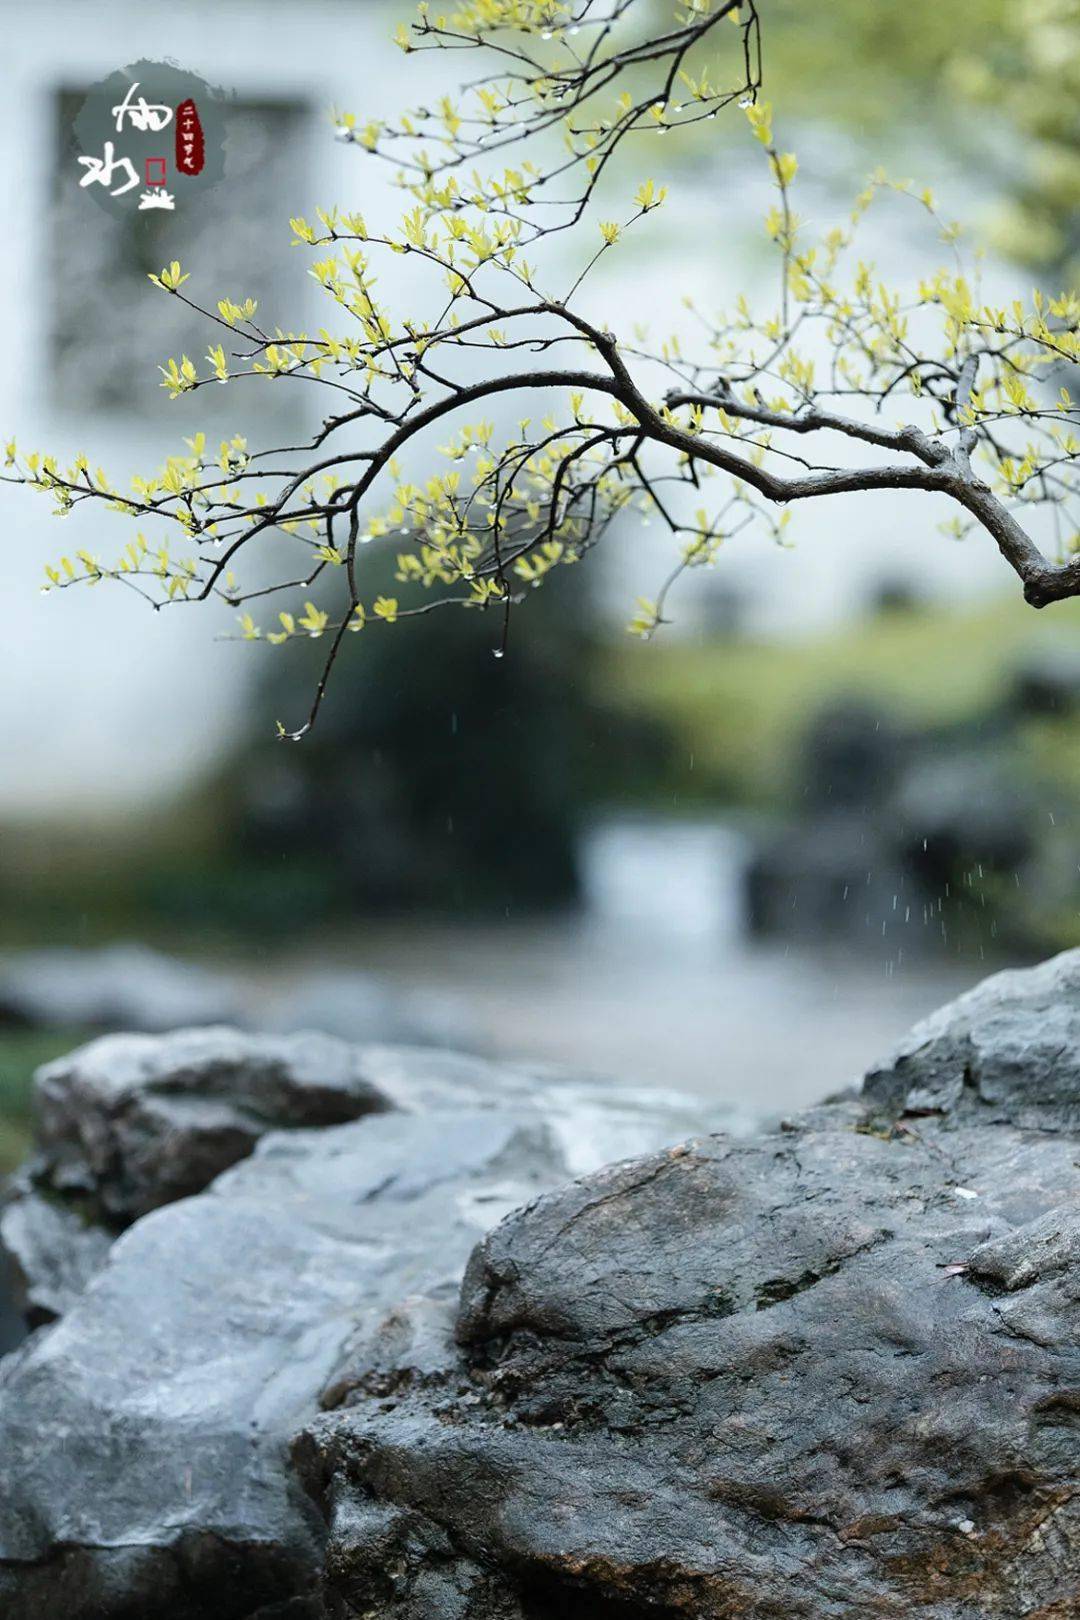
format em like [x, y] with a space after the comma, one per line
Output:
[102, 700]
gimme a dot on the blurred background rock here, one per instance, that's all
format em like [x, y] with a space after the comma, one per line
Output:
[734, 859]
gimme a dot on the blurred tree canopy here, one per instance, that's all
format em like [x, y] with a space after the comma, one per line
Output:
[997, 79]
[438, 779]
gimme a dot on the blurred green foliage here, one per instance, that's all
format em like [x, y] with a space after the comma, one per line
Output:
[442, 776]
[992, 696]
[444, 782]
[738, 708]
[996, 81]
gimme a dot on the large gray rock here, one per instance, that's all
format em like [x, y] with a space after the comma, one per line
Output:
[131, 1122]
[52, 1248]
[154, 1417]
[827, 1372]
[128, 1123]
[830, 1372]
[1008, 1050]
[144, 1437]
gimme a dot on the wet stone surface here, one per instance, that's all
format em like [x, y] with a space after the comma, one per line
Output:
[406, 1367]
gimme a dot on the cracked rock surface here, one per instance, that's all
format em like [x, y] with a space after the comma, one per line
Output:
[144, 1433]
[136, 1121]
[829, 1372]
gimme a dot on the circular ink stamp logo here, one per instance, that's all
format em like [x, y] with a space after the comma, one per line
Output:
[149, 138]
